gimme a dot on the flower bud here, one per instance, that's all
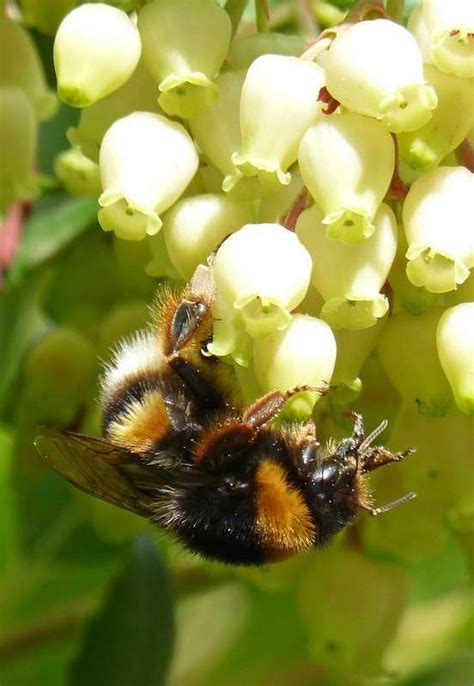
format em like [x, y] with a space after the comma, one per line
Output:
[277, 205]
[217, 132]
[437, 216]
[21, 66]
[17, 146]
[196, 226]
[455, 340]
[217, 129]
[347, 161]
[353, 349]
[349, 277]
[303, 354]
[375, 68]
[96, 50]
[136, 95]
[408, 353]
[184, 44]
[78, 174]
[451, 30]
[146, 162]
[424, 148]
[277, 90]
[160, 265]
[46, 15]
[245, 50]
[262, 272]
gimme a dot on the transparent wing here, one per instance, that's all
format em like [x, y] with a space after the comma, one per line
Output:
[95, 466]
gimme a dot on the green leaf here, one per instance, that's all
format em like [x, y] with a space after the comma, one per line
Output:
[49, 230]
[130, 641]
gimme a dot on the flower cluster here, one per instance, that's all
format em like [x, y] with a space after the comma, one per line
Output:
[306, 159]
[330, 184]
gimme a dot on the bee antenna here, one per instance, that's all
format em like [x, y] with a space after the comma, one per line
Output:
[374, 511]
[368, 440]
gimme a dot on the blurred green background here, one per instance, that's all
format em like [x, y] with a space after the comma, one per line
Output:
[91, 595]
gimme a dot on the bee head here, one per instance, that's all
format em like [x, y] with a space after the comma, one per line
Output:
[336, 481]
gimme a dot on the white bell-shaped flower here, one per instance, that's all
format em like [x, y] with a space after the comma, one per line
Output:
[279, 101]
[303, 354]
[146, 162]
[349, 277]
[136, 95]
[437, 217]
[375, 68]
[184, 45]
[194, 227]
[455, 340]
[407, 350]
[20, 65]
[17, 146]
[78, 174]
[262, 273]
[245, 49]
[450, 26]
[96, 50]
[424, 148]
[347, 162]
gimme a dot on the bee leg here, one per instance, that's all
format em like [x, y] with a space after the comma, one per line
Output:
[208, 396]
[192, 316]
[227, 440]
[379, 456]
[270, 405]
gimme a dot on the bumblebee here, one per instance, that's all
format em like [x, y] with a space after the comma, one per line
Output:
[180, 448]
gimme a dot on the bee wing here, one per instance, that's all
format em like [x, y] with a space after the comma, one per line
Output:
[94, 466]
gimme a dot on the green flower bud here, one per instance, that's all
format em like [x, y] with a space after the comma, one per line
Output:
[184, 45]
[424, 148]
[96, 50]
[303, 354]
[217, 129]
[136, 95]
[78, 174]
[349, 277]
[146, 162]
[408, 353]
[353, 349]
[217, 132]
[21, 66]
[455, 340]
[375, 68]
[196, 226]
[46, 15]
[437, 217]
[277, 90]
[277, 205]
[160, 265]
[262, 272]
[347, 161]
[17, 146]
[244, 50]
[450, 26]
[59, 374]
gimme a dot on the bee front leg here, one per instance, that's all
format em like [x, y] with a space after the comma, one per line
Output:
[192, 316]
